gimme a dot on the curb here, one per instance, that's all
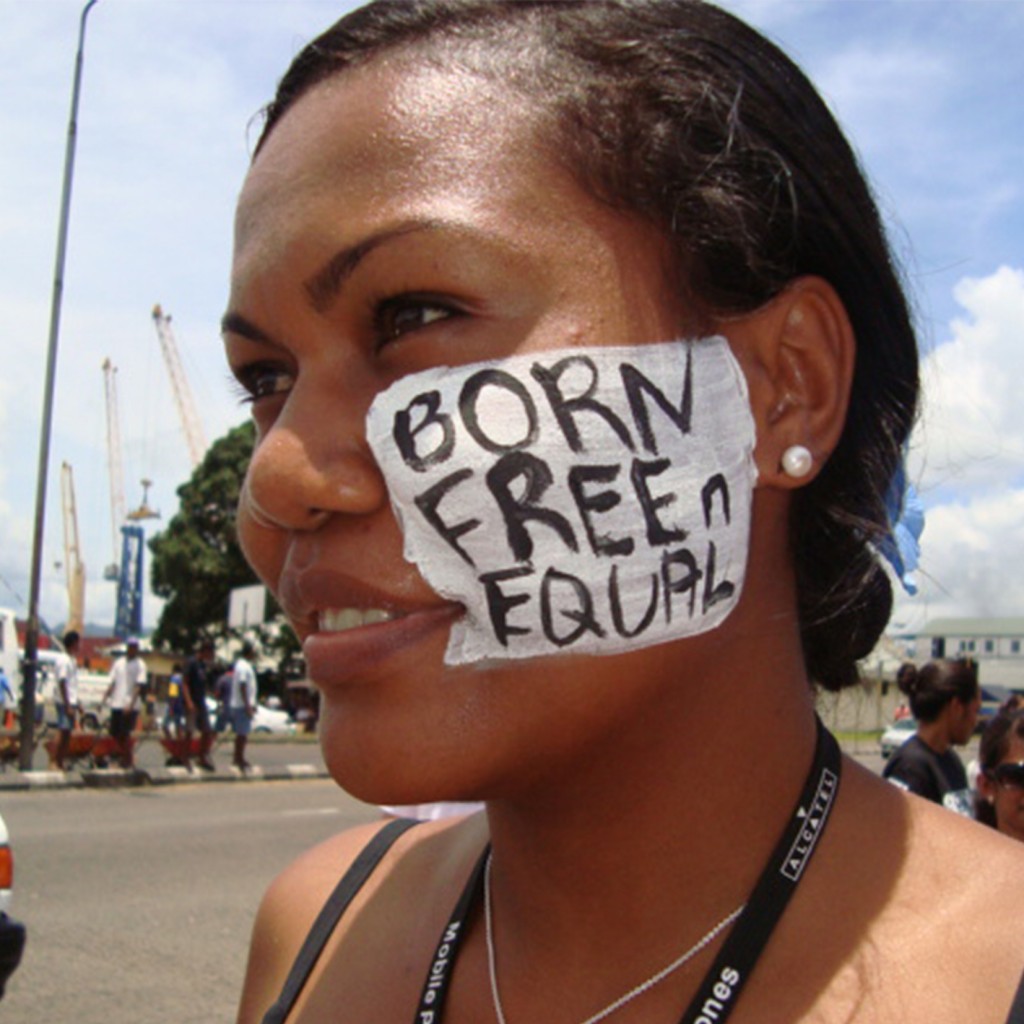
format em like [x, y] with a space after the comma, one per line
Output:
[121, 778]
[13, 781]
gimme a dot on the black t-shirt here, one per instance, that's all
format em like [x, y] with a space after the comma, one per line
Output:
[937, 777]
[195, 679]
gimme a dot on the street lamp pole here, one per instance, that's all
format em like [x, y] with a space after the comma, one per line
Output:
[29, 665]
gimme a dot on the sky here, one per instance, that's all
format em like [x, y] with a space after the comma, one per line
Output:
[931, 93]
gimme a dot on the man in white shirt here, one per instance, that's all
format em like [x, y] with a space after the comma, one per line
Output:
[127, 682]
[66, 700]
[242, 703]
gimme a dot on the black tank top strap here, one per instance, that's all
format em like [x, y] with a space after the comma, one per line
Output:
[1017, 1009]
[327, 920]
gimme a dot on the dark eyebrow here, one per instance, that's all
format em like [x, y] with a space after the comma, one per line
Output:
[235, 323]
[324, 285]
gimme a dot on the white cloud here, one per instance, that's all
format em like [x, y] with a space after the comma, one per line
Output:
[972, 558]
[968, 458]
[972, 427]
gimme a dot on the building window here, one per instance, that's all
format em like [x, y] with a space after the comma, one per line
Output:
[989, 646]
[1015, 647]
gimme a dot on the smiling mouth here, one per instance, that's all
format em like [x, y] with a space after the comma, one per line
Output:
[338, 620]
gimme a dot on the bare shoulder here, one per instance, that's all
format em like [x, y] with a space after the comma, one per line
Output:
[295, 898]
[287, 912]
[931, 894]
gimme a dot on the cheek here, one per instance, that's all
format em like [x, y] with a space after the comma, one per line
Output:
[1008, 804]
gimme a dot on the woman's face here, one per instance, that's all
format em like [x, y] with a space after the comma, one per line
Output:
[964, 718]
[1007, 797]
[399, 219]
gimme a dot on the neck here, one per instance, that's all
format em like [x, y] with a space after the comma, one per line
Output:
[935, 734]
[640, 848]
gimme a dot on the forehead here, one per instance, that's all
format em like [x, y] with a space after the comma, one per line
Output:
[401, 141]
[399, 133]
[1015, 750]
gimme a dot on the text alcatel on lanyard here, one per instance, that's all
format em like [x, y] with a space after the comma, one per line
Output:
[721, 987]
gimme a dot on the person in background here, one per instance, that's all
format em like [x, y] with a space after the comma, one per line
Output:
[945, 699]
[197, 714]
[66, 672]
[128, 682]
[242, 703]
[8, 702]
[174, 714]
[1000, 798]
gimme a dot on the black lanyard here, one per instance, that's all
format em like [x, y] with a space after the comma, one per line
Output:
[435, 990]
[726, 977]
[720, 989]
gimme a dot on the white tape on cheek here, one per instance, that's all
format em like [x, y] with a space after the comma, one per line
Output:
[587, 500]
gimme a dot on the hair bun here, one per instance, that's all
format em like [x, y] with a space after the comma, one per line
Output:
[907, 678]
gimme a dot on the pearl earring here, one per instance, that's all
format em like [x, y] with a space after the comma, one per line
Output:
[797, 461]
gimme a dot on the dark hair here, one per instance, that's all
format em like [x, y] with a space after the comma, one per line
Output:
[71, 638]
[994, 746]
[683, 115]
[931, 687]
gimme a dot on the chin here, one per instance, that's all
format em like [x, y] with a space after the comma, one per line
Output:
[379, 759]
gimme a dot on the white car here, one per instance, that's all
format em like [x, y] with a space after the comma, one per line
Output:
[12, 933]
[272, 720]
[896, 735]
[266, 719]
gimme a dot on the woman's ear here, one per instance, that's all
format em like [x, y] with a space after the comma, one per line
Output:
[797, 352]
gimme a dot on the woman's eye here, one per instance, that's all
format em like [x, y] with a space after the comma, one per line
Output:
[395, 317]
[262, 380]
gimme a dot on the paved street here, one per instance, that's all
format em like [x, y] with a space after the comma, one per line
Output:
[139, 902]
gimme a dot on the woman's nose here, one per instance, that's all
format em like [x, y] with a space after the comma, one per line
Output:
[298, 480]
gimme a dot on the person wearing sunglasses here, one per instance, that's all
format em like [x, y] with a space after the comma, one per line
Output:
[1000, 797]
[945, 699]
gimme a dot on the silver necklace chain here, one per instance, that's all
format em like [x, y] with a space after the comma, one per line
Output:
[617, 1004]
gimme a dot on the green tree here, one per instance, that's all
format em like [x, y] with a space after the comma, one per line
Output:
[197, 561]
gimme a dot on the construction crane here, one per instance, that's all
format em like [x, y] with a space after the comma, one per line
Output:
[129, 573]
[73, 565]
[195, 438]
[114, 469]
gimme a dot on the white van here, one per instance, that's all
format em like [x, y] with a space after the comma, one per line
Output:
[91, 685]
[10, 656]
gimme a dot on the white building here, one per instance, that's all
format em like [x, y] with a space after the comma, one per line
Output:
[996, 644]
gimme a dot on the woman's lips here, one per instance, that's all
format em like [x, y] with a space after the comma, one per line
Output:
[350, 626]
[348, 643]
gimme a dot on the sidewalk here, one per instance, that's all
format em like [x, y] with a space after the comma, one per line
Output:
[13, 780]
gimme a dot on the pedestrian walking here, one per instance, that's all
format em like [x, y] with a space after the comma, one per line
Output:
[128, 681]
[242, 703]
[197, 715]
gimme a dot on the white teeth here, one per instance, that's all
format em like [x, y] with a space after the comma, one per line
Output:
[337, 620]
[375, 615]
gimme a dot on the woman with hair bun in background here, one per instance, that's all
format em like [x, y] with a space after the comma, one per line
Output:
[945, 699]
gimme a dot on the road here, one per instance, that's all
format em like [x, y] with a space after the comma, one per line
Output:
[139, 902]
